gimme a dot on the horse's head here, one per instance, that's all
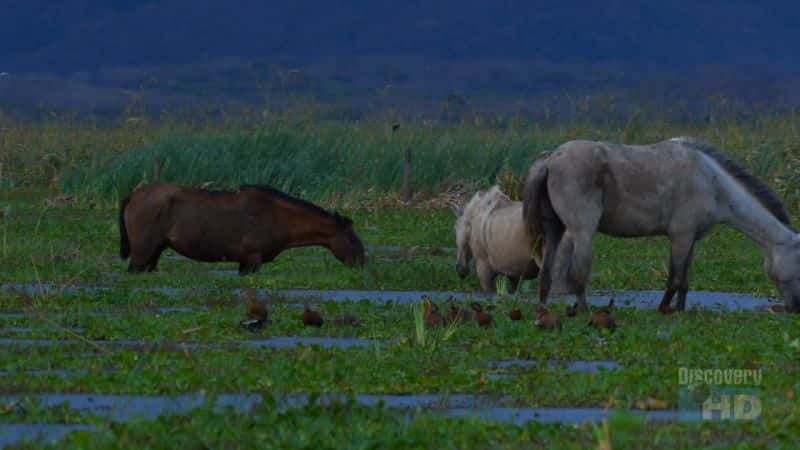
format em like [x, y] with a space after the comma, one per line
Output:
[345, 244]
[782, 265]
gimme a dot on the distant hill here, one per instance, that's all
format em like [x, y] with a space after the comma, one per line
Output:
[234, 48]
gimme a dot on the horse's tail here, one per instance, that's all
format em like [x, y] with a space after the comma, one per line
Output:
[534, 200]
[124, 243]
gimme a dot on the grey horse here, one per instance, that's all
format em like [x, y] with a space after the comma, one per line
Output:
[679, 188]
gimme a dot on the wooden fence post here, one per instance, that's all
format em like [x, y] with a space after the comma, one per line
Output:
[407, 192]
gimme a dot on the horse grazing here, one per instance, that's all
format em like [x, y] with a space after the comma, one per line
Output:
[679, 188]
[490, 229]
[250, 226]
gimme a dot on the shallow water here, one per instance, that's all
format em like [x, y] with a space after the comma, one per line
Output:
[322, 341]
[498, 408]
[62, 373]
[271, 342]
[15, 433]
[572, 366]
[520, 416]
[84, 313]
[35, 329]
[643, 299]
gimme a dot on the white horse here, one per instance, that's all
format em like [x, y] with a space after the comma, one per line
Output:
[679, 188]
[490, 229]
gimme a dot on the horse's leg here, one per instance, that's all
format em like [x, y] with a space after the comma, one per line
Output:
[486, 276]
[144, 256]
[513, 283]
[553, 233]
[574, 254]
[249, 263]
[151, 266]
[576, 249]
[681, 249]
[683, 285]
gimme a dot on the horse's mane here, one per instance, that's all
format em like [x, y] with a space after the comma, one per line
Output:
[496, 197]
[483, 200]
[297, 201]
[765, 195]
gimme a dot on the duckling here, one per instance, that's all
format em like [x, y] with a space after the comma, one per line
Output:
[572, 310]
[346, 320]
[484, 319]
[311, 318]
[430, 312]
[515, 314]
[457, 314]
[602, 317]
[547, 320]
[256, 315]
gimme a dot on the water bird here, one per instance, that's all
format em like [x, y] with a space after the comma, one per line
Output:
[457, 314]
[346, 320]
[430, 312]
[546, 319]
[572, 310]
[256, 315]
[602, 317]
[311, 318]
[483, 318]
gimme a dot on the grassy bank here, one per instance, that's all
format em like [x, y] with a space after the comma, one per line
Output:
[78, 244]
[68, 242]
[323, 160]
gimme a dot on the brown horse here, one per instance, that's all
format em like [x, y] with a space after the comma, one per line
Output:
[250, 226]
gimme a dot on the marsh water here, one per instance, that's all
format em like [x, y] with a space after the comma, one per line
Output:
[271, 342]
[642, 299]
[496, 408]
[129, 407]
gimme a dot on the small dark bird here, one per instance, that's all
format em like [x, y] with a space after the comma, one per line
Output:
[430, 312]
[311, 318]
[608, 307]
[572, 310]
[515, 314]
[602, 317]
[346, 320]
[457, 314]
[546, 319]
[484, 319]
[256, 315]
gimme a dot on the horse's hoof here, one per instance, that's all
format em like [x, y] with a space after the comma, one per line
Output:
[666, 309]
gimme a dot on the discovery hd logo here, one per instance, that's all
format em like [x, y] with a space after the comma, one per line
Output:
[721, 394]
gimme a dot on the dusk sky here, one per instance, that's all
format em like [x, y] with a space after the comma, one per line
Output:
[73, 35]
[518, 47]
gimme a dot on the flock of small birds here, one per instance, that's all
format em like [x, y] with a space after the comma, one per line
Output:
[257, 317]
[601, 318]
